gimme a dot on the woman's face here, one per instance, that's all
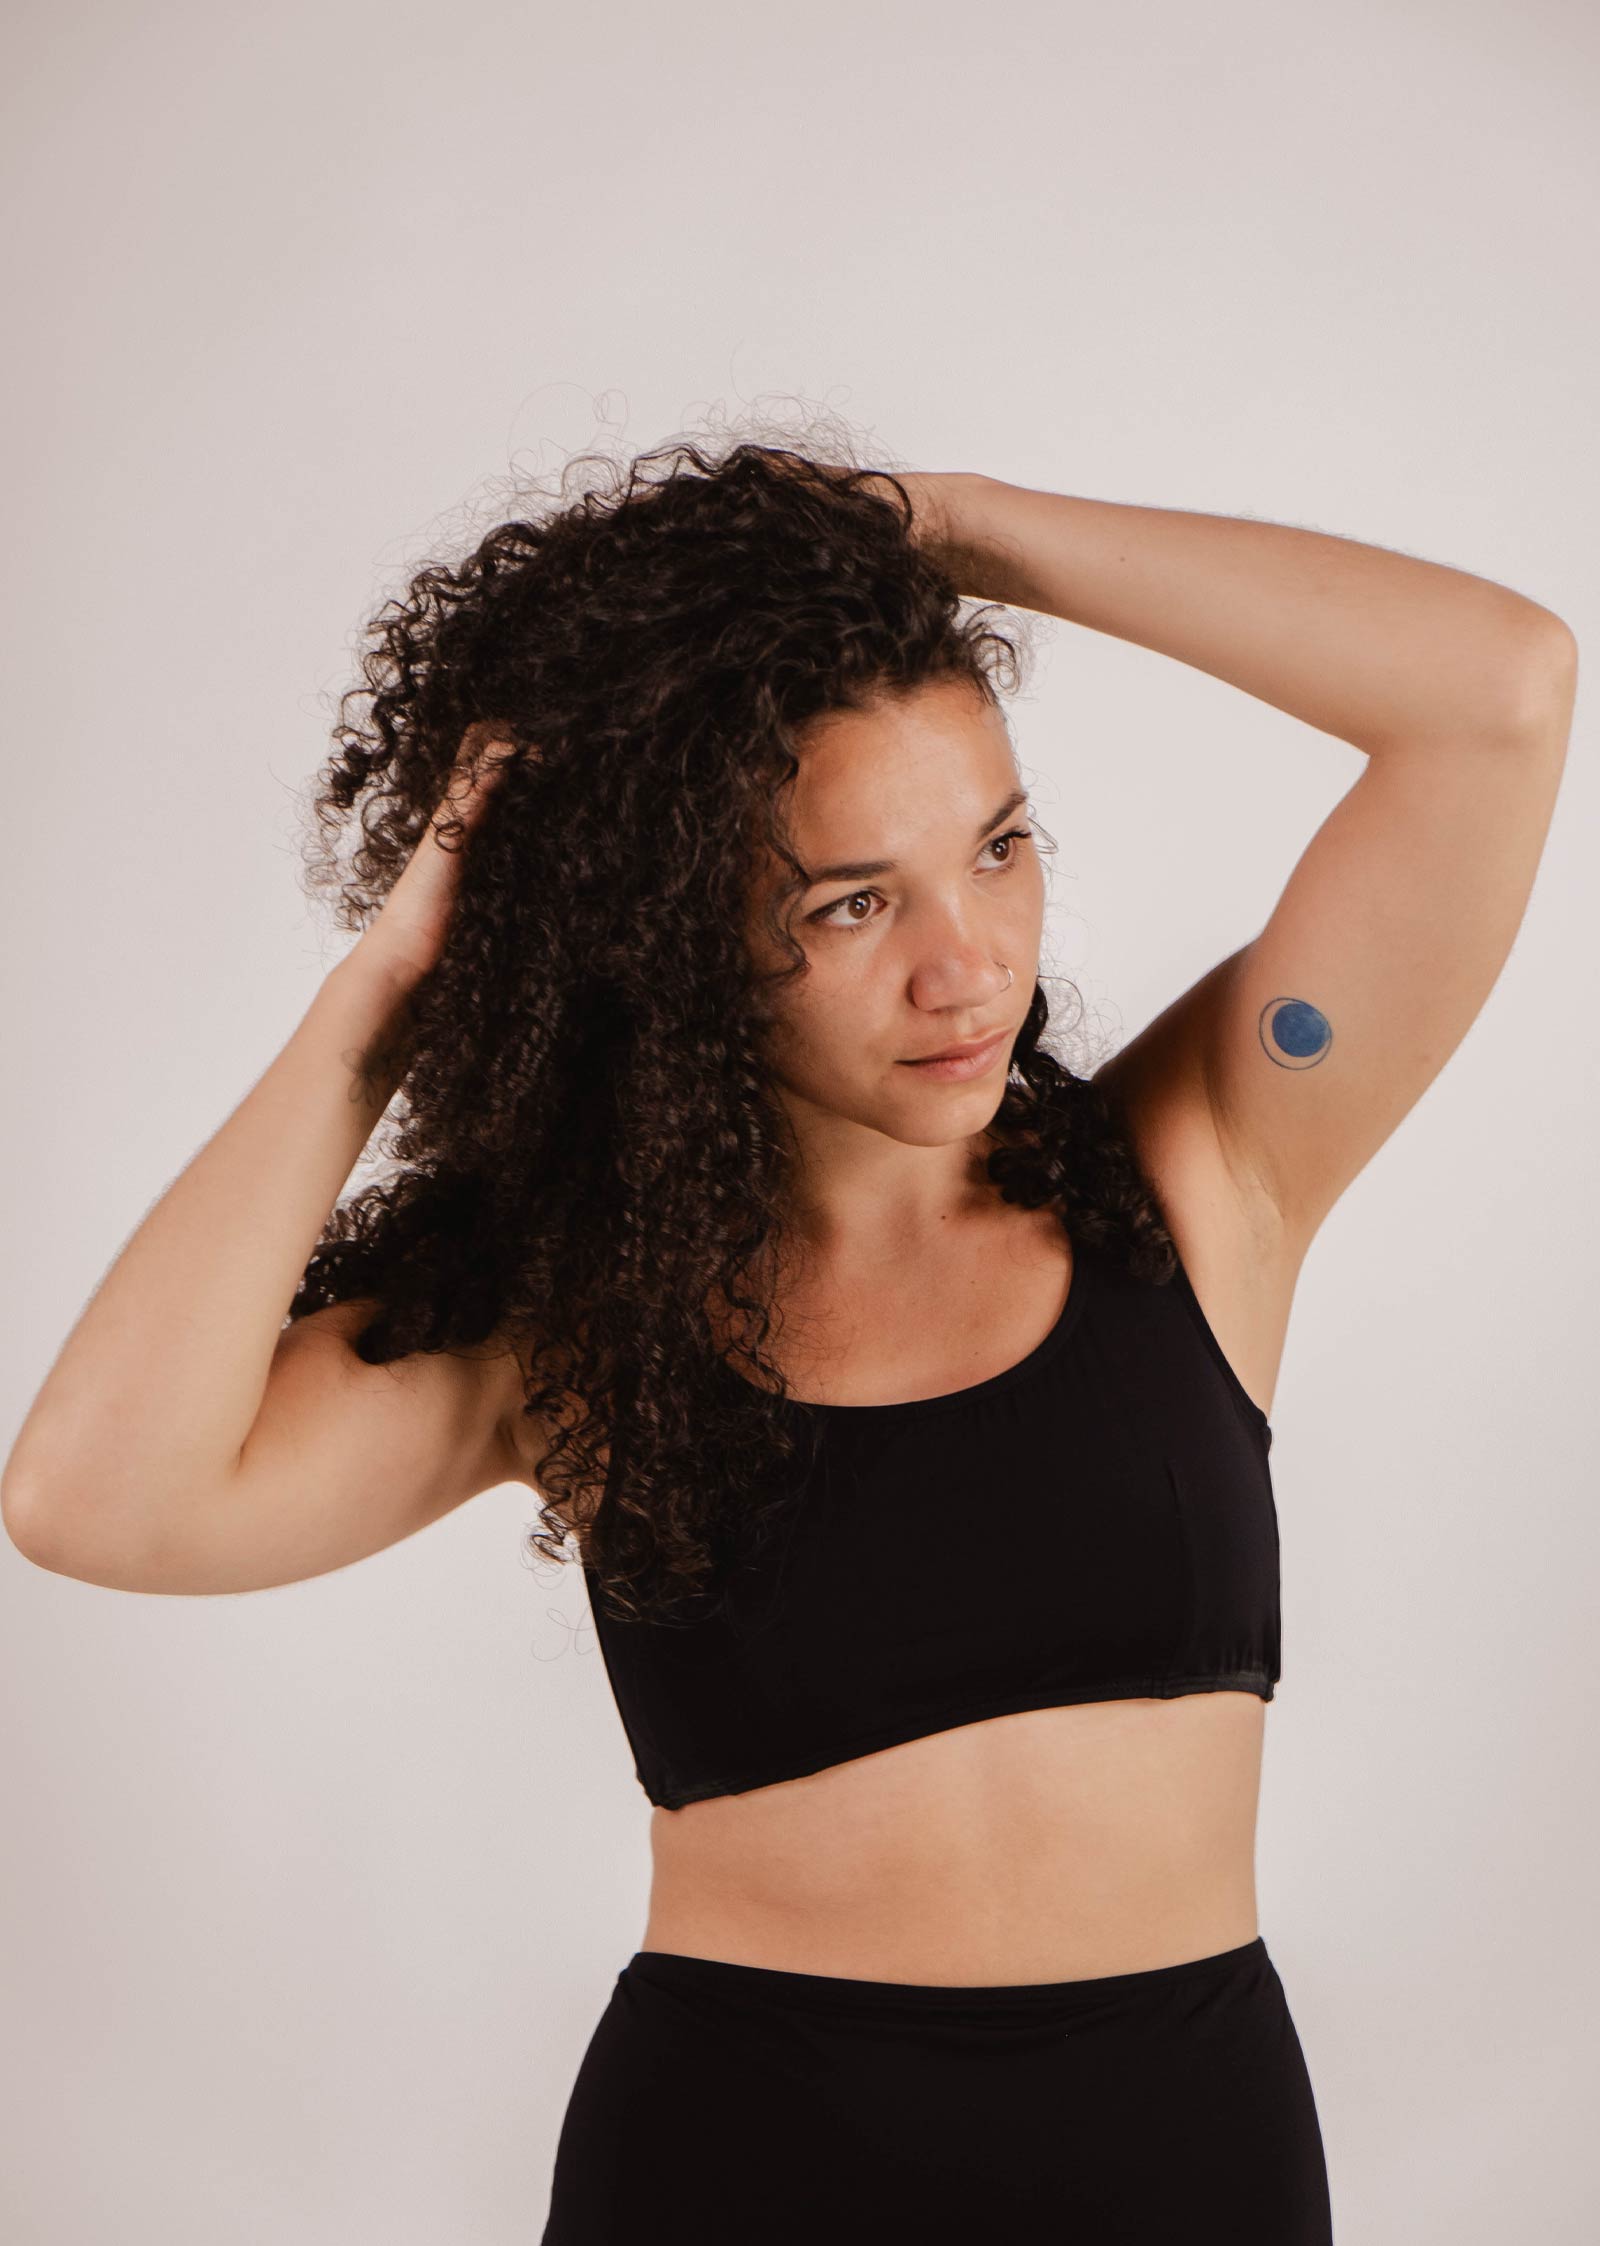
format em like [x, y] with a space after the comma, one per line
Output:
[935, 888]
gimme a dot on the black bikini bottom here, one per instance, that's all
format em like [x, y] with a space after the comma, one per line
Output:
[721, 2102]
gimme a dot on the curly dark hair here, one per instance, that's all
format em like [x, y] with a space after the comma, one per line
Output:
[588, 1152]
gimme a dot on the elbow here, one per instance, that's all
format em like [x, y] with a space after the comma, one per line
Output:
[1550, 667]
[1539, 683]
[22, 1514]
[35, 1501]
[56, 1532]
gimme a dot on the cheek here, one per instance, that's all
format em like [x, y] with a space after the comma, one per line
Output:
[1028, 888]
[824, 1034]
[812, 1038]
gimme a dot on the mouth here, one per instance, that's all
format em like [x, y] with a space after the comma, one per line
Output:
[964, 1060]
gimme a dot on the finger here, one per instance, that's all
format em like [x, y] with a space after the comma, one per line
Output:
[475, 768]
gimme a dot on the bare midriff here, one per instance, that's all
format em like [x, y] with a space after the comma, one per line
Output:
[1050, 1845]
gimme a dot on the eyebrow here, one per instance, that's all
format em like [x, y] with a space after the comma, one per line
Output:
[865, 869]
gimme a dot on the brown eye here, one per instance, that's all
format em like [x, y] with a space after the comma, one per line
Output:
[824, 916]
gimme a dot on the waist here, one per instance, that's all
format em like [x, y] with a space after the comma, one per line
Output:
[1053, 1844]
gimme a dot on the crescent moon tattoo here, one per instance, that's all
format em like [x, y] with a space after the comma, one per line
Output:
[1294, 1033]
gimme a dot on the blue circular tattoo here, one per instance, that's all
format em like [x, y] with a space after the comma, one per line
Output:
[1294, 1033]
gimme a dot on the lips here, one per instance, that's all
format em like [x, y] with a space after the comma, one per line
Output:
[960, 1052]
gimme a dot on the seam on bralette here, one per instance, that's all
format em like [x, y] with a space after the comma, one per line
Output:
[1254, 1419]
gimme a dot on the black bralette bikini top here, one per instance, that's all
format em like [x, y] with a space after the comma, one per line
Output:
[1097, 1522]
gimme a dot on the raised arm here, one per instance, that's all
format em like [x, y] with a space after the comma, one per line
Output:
[184, 1439]
[1309, 1044]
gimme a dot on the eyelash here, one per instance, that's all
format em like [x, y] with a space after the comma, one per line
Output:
[823, 918]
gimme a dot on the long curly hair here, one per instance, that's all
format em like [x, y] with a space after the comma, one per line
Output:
[586, 1153]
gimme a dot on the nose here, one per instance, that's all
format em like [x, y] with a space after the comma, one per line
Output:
[961, 978]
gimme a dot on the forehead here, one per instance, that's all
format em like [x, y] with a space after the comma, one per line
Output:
[922, 765]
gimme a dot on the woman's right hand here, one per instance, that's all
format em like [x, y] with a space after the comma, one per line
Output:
[406, 937]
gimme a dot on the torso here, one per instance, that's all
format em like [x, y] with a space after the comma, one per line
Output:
[1052, 1844]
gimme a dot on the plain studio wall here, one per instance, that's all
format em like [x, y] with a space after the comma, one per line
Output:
[311, 1897]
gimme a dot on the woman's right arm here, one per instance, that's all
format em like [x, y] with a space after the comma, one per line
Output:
[185, 1439]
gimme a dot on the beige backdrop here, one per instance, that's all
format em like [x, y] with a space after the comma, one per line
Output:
[309, 1899]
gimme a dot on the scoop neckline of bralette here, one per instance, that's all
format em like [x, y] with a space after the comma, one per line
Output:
[909, 1406]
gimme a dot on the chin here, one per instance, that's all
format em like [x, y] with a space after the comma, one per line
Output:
[949, 1120]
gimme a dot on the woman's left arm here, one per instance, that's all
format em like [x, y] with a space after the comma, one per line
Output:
[1311, 1043]
[1368, 645]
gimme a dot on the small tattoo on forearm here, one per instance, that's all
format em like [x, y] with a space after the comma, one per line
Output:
[1294, 1033]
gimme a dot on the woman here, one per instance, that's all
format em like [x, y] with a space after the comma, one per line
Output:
[904, 1394]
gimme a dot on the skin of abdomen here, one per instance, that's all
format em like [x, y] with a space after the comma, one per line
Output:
[1045, 1845]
